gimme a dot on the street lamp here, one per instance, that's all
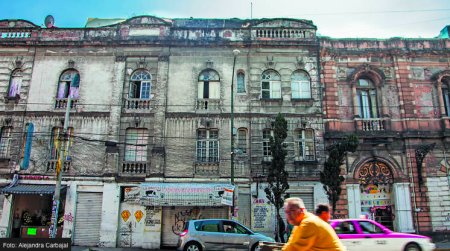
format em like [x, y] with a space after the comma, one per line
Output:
[235, 53]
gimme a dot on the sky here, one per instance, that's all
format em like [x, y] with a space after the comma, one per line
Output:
[333, 18]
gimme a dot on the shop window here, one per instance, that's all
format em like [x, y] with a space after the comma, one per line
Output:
[240, 82]
[367, 99]
[69, 84]
[15, 84]
[270, 85]
[5, 142]
[207, 146]
[304, 145]
[136, 143]
[209, 85]
[242, 140]
[60, 142]
[140, 85]
[300, 86]
[267, 154]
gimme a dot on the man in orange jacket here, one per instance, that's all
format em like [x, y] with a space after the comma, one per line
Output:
[310, 232]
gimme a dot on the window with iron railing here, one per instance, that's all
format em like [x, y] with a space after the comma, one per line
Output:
[207, 148]
[304, 145]
[136, 145]
[5, 142]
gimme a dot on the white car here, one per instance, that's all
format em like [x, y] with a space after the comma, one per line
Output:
[366, 235]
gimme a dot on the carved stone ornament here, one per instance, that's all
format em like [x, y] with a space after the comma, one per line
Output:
[209, 63]
[387, 72]
[19, 62]
[300, 64]
[375, 173]
[341, 72]
[141, 64]
[270, 64]
[71, 63]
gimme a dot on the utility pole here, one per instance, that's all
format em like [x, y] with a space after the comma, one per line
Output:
[61, 168]
[235, 53]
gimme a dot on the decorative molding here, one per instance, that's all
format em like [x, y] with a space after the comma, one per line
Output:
[209, 63]
[71, 63]
[121, 58]
[270, 64]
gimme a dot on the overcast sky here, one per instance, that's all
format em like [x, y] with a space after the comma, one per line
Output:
[334, 18]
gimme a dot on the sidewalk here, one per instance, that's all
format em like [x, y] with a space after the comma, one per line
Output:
[78, 248]
[442, 246]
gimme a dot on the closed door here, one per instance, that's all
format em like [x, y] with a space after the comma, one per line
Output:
[131, 225]
[88, 218]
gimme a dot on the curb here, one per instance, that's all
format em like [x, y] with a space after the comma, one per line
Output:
[442, 249]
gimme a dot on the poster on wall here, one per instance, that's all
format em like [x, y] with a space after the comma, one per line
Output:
[152, 219]
[132, 195]
[260, 214]
[227, 198]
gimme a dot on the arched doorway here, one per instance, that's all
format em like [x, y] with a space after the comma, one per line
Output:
[377, 196]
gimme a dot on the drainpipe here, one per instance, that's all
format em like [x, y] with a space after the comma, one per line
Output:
[414, 194]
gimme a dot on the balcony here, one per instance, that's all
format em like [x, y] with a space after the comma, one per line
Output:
[61, 103]
[137, 104]
[371, 125]
[15, 35]
[305, 170]
[284, 34]
[134, 167]
[206, 168]
[208, 105]
[51, 166]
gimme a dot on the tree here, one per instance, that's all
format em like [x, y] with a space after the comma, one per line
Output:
[330, 176]
[277, 175]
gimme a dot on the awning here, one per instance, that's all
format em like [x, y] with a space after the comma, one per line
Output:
[31, 189]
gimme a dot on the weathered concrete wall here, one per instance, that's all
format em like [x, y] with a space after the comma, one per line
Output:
[438, 193]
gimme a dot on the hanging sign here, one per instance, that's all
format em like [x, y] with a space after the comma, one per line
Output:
[227, 198]
[27, 151]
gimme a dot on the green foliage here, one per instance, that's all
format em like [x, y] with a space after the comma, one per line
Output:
[330, 176]
[277, 175]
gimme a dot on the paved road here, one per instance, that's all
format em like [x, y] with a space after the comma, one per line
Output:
[78, 248]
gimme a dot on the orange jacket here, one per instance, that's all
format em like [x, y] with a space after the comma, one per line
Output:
[313, 234]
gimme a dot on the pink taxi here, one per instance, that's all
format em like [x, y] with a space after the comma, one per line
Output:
[366, 235]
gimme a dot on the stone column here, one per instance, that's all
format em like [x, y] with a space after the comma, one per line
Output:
[403, 211]
[110, 215]
[354, 200]
[441, 100]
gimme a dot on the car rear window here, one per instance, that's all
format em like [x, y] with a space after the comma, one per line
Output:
[345, 227]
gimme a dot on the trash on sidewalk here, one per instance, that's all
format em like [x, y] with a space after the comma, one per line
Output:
[270, 246]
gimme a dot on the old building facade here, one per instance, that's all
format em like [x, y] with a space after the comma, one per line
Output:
[149, 130]
[150, 125]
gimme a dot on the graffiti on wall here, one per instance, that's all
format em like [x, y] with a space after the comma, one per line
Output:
[181, 217]
[152, 218]
[68, 217]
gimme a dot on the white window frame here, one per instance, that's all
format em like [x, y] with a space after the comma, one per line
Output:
[266, 152]
[15, 83]
[65, 81]
[207, 141]
[143, 79]
[240, 82]
[242, 140]
[270, 83]
[300, 86]
[136, 145]
[304, 147]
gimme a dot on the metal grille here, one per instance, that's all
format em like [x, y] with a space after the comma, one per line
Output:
[88, 218]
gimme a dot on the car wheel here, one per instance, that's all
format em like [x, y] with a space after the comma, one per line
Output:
[192, 247]
[256, 247]
[412, 247]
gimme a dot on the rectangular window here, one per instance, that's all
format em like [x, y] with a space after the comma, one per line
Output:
[66, 143]
[271, 90]
[242, 141]
[367, 103]
[304, 145]
[301, 90]
[240, 82]
[207, 146]
[14, 87]
[267, 154]
[5, 142]
[136, 142]
[145, 90]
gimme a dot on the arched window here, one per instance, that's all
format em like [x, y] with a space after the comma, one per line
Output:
[209, 85]
[445, 94]
[140, 85]
[69, 83]
[300, 85]
[270, 85]
[304, 145]
[367, 99]
[242, 140]
[15, 83]
[207, 146]
[240, 82]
